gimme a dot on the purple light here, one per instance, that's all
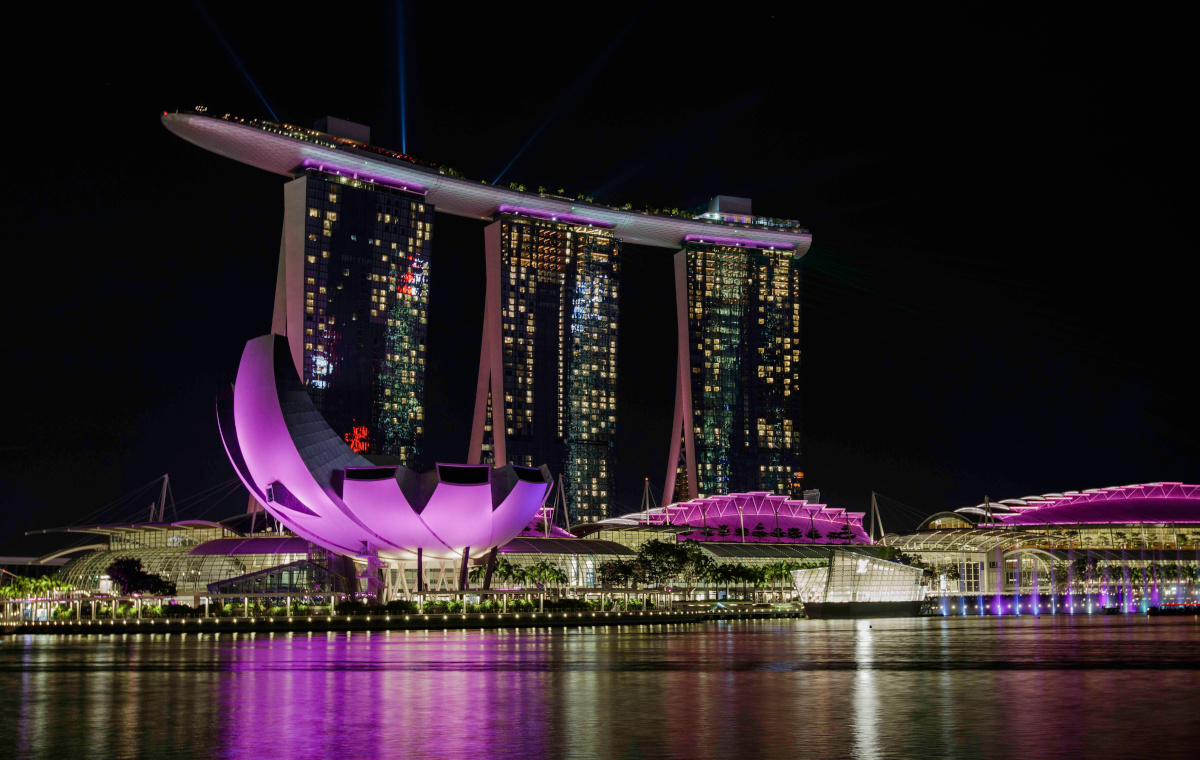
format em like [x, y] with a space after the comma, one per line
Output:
[552, 216]
[746, 510]
[312, 163]
[739, 242]
[1144, 503]
[333, 505]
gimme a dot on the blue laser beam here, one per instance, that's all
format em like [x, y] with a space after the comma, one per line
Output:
[212, 24]
[403, 79]
[577, 88]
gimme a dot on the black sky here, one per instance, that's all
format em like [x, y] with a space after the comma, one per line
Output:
[999, 299]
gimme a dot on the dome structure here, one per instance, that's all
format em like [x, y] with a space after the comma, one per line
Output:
[1162, 502]
[309, 479]
[753, 516]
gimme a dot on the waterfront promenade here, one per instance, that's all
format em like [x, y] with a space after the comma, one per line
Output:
[387, 622]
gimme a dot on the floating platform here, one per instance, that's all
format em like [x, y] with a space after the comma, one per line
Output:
[862, 610]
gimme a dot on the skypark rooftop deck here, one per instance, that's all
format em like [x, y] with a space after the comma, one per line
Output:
[289, 150]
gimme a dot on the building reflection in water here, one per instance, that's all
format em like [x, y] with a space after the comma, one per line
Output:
[980, 687]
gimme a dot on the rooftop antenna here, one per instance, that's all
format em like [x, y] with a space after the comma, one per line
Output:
[161, 506]
[563, 495]
[547, 519]
[648, 504]
[253, 508]
[875, 518]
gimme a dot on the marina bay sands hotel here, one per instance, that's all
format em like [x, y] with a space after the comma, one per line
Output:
[352, 298]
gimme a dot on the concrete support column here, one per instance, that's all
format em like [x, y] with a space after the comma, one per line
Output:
[420, 570]
[491, 567]
[682, 426]
[491, 358]
[462, 570]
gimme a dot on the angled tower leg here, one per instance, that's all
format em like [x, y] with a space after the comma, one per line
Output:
[479, 420]
[288, 316]
[683, 427]
[491, 358]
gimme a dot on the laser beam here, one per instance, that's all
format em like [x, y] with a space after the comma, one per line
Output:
[212, 24]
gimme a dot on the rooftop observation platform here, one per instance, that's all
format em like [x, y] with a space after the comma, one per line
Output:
[290, 151]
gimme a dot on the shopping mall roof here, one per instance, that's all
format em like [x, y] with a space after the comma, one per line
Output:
[743, 511]
[737, 550]
[127, 528]
[565, 546]
[230, 547]
[626, 525]
[964, 539]
[1161, 502]
[289, 150]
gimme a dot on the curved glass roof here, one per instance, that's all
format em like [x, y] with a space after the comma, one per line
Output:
[1161, 502]
[565, 546]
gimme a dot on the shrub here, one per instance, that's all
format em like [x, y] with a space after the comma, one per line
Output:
[349, 607]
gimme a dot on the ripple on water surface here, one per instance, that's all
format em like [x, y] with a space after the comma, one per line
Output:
[980, 688]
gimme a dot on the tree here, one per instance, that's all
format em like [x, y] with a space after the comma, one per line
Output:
[794, 534]
[620, 572]
[759, 531]
[507, 570]
[813, 534]
[611, 573]
[545, 575]
[128, 575]
[20, 586]
[660, 561]
[722, 531]
[693, 564]
[780, 572]
[665, 561]
[843, 533]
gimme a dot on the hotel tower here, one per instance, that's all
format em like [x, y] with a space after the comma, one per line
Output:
[352, 297]
[548, 357]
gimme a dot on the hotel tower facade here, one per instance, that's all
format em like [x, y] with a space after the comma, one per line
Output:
[352, 296]
[548, 357]
[737, 398]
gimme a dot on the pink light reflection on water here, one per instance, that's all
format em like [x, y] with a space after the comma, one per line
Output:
[885, 688]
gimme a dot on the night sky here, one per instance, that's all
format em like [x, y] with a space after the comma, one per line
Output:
[999, 299]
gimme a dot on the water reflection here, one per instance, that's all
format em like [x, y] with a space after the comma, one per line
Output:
[952, 687]
[866, 695]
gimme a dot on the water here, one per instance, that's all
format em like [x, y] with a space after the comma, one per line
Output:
[1105, 686]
